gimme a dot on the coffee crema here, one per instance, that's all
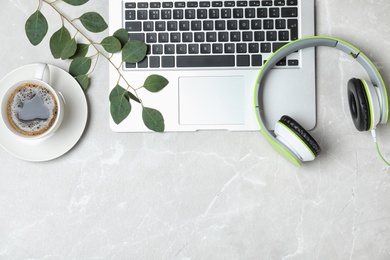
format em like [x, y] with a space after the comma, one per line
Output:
[16, 101]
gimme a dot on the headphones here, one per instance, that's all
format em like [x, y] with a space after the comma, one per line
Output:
[368, 102]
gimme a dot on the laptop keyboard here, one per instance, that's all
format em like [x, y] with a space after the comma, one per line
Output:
[211, 34]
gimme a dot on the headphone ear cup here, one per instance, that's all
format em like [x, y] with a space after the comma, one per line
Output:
[358, 104]
[297, 139]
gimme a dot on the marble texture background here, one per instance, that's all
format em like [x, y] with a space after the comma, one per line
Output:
[206, 195]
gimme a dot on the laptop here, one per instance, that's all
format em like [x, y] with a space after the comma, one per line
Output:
[211, 53]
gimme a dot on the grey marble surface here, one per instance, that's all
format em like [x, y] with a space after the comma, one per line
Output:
[206, 195]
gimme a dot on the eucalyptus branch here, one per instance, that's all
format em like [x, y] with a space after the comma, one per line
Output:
[63, 46]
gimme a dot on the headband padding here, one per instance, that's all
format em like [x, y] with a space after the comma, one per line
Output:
[302, 134]
[358, 104]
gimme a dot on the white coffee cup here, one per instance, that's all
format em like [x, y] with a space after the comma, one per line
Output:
[40, 129]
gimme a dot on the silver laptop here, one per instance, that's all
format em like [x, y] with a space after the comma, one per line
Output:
[211, 53]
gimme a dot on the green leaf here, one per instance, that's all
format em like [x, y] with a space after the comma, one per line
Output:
[93, 22]
[69, 49]
[120, 108]
[75, 2]
[120, 91]
[36, 27]
[153, 119]
[58, 41]
[155, 83]
[133, 97]
[80, 66]
[83, 80]
[117, 91]
[134, 51]
[81, 51]
[111, 44]
[122, 36]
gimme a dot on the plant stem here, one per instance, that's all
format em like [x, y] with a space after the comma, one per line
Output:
[93, 44]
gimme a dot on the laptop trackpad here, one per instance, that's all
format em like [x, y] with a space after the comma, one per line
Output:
[211, 100]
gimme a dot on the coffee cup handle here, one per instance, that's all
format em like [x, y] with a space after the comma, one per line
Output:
[43, 73]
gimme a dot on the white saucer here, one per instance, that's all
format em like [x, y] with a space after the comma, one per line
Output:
[71, 129]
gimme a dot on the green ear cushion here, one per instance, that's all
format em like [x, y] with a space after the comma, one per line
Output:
[302, 134]
[358, 104]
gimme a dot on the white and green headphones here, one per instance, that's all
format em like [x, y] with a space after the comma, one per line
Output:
[368, 102]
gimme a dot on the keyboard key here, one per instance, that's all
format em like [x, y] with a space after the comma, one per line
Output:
[277, 45]
[220, 25]
[211, 36]
[243, 60]
[230, 4]
[163, 37]
[133, 26]
[143, 5]
[217, 48]
[289, 12]
[244, 24]
[190, 14]
[157, 49]
[266, 3]
[169, 49]
[247, 36]
[214, 13]
[193, 49]
[192, 4]
[154, 61]
[148, 26]
[199, 37]
[167, 61]
[262, 13]
[254, 3]
[205, 48]
[201, 14]
[166, 14]
[265, 47]
[175, 37]
[242, 3]
[181, 49]
[154, 14]
[151, 37]
[180, 4]
[292, 24]
[217, 4]
[232, 25]
[206, 61]
[178, 14]
[184, 26]
[292, 2]
[137, 36]
[155, 5]
[241, 48]
[279, 2]
[238, 13]
[226, 13]
[257, 60]
[172, 25]
[130, 5]
[167, 4]
[130, 14]
[142, 14]
[293, 62]
[223, 36]
[229, 47]
[284, 35]
[253, 47]
[204, 4]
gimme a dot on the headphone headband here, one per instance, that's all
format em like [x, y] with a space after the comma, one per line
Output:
[315, 41]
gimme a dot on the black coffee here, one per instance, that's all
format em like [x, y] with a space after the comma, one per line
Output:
[31, 109]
